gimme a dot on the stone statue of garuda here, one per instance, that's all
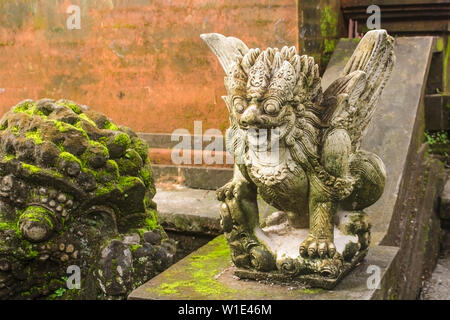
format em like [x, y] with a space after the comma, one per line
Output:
[298, 148]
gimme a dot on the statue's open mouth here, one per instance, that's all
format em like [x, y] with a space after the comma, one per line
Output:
[269, 136]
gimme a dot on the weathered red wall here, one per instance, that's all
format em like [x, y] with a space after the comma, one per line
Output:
[140, 62]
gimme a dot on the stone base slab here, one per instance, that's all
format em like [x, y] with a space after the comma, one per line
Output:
[309, 280]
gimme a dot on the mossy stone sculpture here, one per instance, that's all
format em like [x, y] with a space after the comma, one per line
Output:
[298, 147]
[75, 190]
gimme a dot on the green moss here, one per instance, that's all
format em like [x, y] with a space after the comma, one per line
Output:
[146, 175]
[85, 117]
[123, 184]
[58, 293]
[91, 152]
[445, 64]
[73, 106]
[67, 156]
[122, 139]
[134, 247]
[38, 214]
[31, 168]
[4, 225]
[9, 157]
[62, 126]
[141, 148]
[105, 189]
[130, 163]
[199, 274]
[24, 107]
[103, 141]
[100, 146]
[25, 250]
[440, 44]
[151, 222]
[15, 129]
[110, 126]
[29, 108]
[310, 291]
[328, 22]
[35, 136]
[34, 170]
[113, 165]
[128, 182]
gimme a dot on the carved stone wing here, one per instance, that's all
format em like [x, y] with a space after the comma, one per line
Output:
[229, 52]
[227, 49]
[350, 101]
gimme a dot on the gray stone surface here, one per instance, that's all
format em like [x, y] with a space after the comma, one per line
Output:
[184, 209]
[188, 210]
[444, 209]
[208, 178]
[438, 287]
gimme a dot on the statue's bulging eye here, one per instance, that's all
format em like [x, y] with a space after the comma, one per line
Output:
[239, 105]
[240, 108]
[271, 107]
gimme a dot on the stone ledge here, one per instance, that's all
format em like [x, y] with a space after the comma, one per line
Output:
[208, 178]
[189, 210]
[207, 274]
[164, 140]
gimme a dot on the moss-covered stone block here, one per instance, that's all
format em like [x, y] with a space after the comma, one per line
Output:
[73, 187]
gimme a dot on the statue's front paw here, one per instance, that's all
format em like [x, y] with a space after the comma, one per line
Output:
[314, 247]
[229, 191]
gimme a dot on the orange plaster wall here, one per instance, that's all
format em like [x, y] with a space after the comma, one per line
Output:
[140, 62]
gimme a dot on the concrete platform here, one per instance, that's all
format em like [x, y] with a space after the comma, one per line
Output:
[207, 274]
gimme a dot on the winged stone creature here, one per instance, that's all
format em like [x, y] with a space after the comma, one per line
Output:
[316, 169]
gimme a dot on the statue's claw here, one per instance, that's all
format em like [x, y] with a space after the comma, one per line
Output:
[229, 191]
[314, 247]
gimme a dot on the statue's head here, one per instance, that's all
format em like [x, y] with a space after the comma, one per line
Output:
[266, 89]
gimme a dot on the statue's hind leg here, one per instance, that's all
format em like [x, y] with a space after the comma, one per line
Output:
[369, 172]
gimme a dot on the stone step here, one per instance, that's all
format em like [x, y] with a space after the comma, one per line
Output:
[165, 140]
[201, 175]
[208, 178]
[197, 158]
